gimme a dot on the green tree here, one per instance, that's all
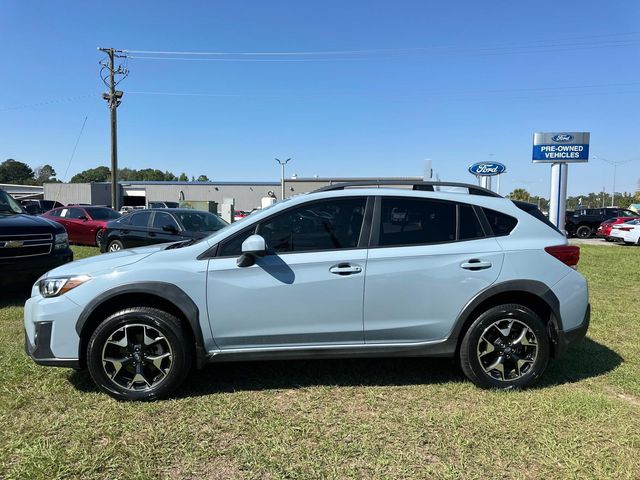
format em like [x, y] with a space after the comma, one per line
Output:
[519, 194]
[183, 177]
[44, 174]
[203, 178]
[12, 171]
[98, 174]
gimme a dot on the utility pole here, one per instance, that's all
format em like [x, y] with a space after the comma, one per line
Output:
[113, 98]
[282, 164]
[615, 164]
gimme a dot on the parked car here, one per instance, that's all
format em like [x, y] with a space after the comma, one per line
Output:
[153, 226]
[29, 246]
[85, 225]
[585, 222]
[240, 214]
[627, 233]
[38, 207]
[604, 230]
[164, 204]
[334, 273]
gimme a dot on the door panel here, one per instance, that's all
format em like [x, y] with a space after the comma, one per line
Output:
[287, 300]
[415, 293]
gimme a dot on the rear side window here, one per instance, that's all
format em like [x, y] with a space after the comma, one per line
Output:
[140, 219]
[410, 221]
[500, 223]
[468, 224]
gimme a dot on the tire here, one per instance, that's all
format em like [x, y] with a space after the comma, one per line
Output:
[584, 231]
[139, 353]
[503, 325]
[115, 246]
[99, 237]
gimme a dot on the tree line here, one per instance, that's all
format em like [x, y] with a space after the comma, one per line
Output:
[590, 200]
[19, 173]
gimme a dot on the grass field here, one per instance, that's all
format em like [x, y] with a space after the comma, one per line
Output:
[393, 418]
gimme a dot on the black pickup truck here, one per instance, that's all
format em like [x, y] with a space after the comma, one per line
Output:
[584, 223]
[29, 246]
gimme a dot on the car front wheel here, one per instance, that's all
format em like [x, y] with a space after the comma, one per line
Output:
[139, 353]
[506, 347]
[583, 231]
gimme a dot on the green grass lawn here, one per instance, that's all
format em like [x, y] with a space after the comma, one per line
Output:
[383, 418]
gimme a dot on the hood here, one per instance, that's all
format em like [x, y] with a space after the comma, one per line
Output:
[26, 224]
[105, 261]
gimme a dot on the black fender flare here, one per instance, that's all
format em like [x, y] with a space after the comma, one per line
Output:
[167, 291]
[533, 287]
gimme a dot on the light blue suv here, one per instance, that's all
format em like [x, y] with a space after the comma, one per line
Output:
[427, 269]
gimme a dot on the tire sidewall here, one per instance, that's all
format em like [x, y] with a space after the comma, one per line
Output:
[471, 363]
[583, 228]
[169, 328]
[116, 242]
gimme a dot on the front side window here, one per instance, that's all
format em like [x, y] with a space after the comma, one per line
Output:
[162, 220]
[326, 225]
[233, 246]
[55, 213]
[411, 221]
[75, 213]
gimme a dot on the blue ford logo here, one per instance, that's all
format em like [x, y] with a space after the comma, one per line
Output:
[562, 137]
[487, 169]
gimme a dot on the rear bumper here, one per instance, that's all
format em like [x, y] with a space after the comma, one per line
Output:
[566, 338]
[40, 351]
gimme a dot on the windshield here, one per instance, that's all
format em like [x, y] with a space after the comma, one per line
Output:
[102, 213]
[201, 221]
[8, 205]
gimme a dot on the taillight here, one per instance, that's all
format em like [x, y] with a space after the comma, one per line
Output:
[625, 229]
[567, 254]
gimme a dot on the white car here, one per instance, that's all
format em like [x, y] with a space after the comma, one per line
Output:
[628, 232]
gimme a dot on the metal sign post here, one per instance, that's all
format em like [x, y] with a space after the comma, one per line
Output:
[560, 149]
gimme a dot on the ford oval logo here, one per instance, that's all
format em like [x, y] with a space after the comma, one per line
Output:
[562, 137]
[487, 169]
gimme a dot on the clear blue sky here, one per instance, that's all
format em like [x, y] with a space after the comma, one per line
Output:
[457, 82]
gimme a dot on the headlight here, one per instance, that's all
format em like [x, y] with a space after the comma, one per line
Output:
[54, 286]
[61, 241]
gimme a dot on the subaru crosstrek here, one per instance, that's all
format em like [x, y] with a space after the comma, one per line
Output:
[341, 272]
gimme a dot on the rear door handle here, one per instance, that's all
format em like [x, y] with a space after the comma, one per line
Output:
[475, 264]
[345, 269]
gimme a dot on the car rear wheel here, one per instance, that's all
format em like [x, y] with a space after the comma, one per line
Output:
[115, 246]
[583, 231]
[139, 353]
[506, 347]
[99, 237]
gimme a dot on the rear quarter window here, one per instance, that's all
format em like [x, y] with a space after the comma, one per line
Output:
[500, 223]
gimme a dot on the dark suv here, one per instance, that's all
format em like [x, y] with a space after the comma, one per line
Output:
[584, 223]
[29, 246]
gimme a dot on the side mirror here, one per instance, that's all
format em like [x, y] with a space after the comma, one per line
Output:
[252, 247]
[84, 218]
[170, 228]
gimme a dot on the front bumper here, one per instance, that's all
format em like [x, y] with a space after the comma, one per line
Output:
[566, 338]
[24, 270]
[40, 351]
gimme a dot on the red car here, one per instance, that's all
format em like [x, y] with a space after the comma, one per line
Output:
[84, 225]
[604, 230]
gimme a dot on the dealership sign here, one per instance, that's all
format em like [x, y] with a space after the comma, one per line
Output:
[561, 147]
[487, 169]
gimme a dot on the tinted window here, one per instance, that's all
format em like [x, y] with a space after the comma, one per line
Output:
[195, 221]
[162, 219]
[500, 223]
[469, 226]
[75, 213]
[172, 204]
[54, 213]
[155, 205]
[627, 213]
[233, 246]
[408, 221]
[140, 219]
[102, 213]
[327, 225]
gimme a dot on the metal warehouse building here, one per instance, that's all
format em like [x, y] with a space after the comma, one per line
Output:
[247, 195]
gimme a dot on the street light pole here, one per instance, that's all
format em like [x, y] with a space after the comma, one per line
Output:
[282, 164]
[615, 168]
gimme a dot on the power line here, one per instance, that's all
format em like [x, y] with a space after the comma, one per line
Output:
[73, 153]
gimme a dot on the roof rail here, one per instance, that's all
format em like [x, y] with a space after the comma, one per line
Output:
[416, 185]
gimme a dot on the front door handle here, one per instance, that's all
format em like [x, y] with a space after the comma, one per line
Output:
[475, 264]
[345, 269]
